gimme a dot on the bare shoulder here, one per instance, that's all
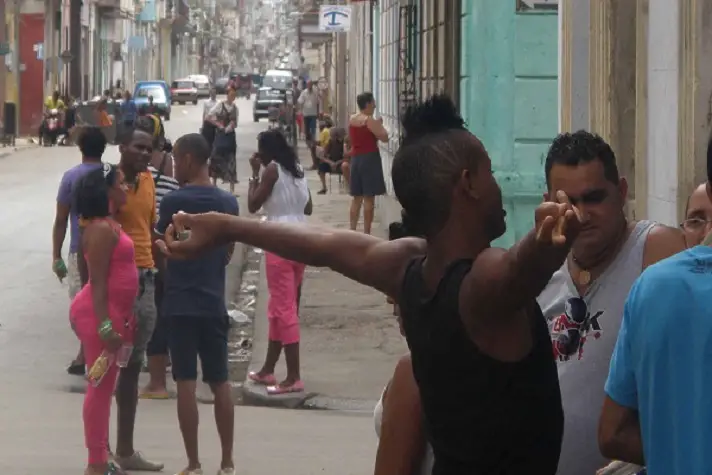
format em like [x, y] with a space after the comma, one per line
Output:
[661, 243]
[384, 264]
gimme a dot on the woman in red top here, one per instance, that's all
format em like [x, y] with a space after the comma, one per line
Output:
[366, 180]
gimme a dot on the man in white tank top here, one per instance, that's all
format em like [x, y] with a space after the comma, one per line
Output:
[584, 299]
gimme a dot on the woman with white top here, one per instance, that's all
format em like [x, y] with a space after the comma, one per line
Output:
[283, 193]
[402, 447]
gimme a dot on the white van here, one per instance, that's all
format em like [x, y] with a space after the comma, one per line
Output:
[278, 79]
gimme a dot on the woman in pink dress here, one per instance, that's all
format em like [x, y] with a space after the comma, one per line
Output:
[102, 312]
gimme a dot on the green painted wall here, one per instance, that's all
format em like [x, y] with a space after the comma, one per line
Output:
[509, 97]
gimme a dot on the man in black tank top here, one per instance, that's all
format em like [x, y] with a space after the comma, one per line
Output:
[480, 347]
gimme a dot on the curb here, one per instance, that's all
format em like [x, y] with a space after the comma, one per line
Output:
[14, 150]
[251, 394]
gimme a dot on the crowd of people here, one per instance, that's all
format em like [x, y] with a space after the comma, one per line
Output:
[125, 293]
[581, 349]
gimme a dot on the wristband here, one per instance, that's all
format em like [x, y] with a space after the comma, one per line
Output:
[105, 329]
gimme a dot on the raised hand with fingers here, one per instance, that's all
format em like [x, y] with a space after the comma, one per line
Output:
[189, 235]
[557, 222]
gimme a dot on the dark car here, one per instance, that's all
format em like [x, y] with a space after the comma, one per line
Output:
[221, 85]
[266, 97]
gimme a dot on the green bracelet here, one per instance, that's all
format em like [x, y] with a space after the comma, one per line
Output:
[105, 329]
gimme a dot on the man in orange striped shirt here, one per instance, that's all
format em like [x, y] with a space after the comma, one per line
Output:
[137, 217]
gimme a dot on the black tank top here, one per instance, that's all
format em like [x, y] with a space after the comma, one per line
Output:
[481, 416]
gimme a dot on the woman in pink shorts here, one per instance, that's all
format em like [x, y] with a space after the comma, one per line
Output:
[283, 193]
[101, 313]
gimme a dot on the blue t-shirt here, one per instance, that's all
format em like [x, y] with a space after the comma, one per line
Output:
[65, 197]
[662, 362]
[195, 287]
[129, 111]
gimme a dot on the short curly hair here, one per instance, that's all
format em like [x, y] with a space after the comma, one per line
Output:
[573, 149]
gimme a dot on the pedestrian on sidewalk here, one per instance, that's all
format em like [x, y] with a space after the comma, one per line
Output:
[283, 193]
[366, 172]
[137, 218]
[161, 168]
[92, 144]
[223, 162]
[194, 301]
[402, 446]
[102, 312]
[309, 107]
[480, 347]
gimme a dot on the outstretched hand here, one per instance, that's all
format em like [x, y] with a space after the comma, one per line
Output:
[189, 235]
[557, 222]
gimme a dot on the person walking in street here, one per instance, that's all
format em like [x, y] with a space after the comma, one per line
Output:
[223, 162]
[365, 169]
[161, 168]
[194, 301]
[655, 411]
[584, 300]
[309, 107]
[283, 193]
[402, 446]
[480, 347]
[101, 313]
[129, 111]
[137, 218]
[208, 129]
[92, 144]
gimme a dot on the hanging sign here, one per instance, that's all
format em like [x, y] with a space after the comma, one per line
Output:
[334, 18]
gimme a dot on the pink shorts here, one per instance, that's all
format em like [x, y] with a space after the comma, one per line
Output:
[283, 279]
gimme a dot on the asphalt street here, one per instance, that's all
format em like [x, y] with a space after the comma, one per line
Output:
[40, 418]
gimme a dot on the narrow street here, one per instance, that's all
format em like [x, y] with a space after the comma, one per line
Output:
[40, 417]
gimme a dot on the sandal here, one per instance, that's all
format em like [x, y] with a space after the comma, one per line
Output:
[277, 389]
[265, 380]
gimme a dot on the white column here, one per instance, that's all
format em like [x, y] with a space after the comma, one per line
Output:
[662, 136]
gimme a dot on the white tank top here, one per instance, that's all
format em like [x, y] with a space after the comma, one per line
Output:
[426, 466]
[288, 198]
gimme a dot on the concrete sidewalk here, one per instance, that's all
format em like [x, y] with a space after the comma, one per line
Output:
[41, 432]
[21, 144]
[350, 339]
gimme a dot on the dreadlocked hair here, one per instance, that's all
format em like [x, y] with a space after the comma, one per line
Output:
[436, 148]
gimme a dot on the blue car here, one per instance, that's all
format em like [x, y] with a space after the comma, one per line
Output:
[161, 94]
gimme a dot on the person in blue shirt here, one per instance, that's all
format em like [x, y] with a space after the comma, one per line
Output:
[194, 303]
[129, 111]
[657, 410]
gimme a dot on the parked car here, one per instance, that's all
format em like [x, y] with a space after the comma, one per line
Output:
[184, 90]
[266, 97]
[202, 83]
[161, 94]
[221, 85]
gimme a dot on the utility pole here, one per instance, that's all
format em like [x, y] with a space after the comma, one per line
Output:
[75, 47]
[3, 43]
[16, 65]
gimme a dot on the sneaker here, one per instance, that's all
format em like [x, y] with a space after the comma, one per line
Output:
[138, 463]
